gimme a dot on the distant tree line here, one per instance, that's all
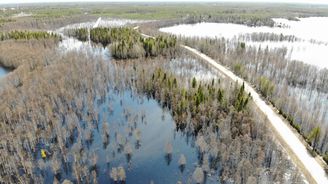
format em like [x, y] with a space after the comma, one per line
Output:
[260, 37]
[249, 20]
[42, 23]
[28, 35]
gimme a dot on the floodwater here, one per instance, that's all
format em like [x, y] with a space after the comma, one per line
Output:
[72, 44]
[148, 161]
[126, 113]
[311, 46]
[190, 67]
[3, 72]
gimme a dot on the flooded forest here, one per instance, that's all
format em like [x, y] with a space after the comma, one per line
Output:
[114, 93]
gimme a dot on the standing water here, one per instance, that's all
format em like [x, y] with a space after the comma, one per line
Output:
[72, 44]
[139, 134]
[3, 72]
[311, 45]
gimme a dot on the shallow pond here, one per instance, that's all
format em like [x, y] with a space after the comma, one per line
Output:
[126, 114]
[311, 47]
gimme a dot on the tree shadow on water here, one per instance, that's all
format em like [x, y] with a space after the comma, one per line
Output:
[168, 158]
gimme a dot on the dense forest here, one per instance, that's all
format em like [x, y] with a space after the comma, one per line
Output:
[293, 87]
[128, 43]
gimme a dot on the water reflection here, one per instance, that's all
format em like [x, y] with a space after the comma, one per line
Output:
[138, 132]
[72, 44]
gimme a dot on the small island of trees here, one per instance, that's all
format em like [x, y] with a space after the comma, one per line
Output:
[127, 43]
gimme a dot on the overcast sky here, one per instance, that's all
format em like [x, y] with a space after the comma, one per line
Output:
[271, 1]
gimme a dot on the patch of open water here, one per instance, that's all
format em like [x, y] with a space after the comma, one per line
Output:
[311, 48]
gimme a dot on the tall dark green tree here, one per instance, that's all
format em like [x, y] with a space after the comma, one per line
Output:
[314, 136]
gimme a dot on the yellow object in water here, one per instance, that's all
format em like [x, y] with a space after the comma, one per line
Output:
[43, 153]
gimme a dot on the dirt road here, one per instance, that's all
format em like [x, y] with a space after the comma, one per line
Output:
[311, 168]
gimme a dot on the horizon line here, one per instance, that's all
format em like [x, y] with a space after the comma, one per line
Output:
[170, 1]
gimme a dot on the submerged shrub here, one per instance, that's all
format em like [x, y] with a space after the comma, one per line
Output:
[168, 148]
[137, 134]
[114, 174]
[198, 175]
[206, 165]
[128, 149]
[121, 173]
[94, 159]
[120, 140]
[94, 176]
[67, 182]
[201, 143]
[182, 160]
[56, 165]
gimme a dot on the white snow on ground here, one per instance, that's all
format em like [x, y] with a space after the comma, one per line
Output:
[288, 136]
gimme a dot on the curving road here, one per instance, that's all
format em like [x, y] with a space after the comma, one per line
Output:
[311, 168]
